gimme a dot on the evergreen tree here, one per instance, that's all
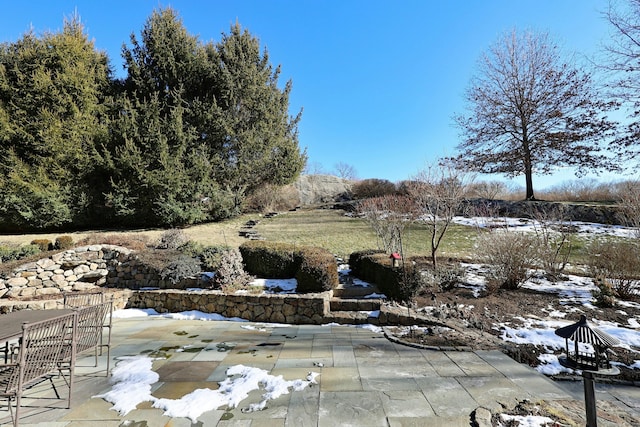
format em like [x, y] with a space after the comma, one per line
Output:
[51, 118]
[160, 163]
[198, 126]
[258, 139]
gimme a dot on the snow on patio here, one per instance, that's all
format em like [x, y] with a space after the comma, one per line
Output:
[132, 379]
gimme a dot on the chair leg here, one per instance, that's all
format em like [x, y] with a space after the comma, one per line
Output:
[53, 385]
[16, 419]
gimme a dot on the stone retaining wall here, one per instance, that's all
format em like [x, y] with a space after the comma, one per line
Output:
[85, 268]
[294, 309]
[271, 308]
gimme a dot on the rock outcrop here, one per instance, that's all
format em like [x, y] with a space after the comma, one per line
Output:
[322, 189]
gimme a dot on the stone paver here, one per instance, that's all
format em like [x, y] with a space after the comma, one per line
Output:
[365, 380]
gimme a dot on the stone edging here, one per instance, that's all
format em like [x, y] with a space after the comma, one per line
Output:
[391, 337]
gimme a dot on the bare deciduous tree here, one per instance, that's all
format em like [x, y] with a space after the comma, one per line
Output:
[314, 168]
[488, 189]
[388, 216]
[345, 171]
[531, 111]
[438, 192]
[629, 205]
[623, 59]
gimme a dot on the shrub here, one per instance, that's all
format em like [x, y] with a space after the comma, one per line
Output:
[43, 244]
[373, 187]
[270, 260]
[616, 261]
[13, 254]
[509, 256]
[374, 266]
[172, 239]
[318, 270]
[180, 268]
[553, 240]
[64, 242]
[210, 256]
[445, 277]
[603, 293]
[412, 284]
[315, 269]
[230, 274]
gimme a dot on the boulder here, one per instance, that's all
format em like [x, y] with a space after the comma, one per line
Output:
[320, 189]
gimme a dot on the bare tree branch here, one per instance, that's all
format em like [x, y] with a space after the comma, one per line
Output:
[530, 111]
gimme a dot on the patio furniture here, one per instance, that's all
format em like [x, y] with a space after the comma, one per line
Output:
[89, 327]
[39, 354]
[87, 299]
[11, 327]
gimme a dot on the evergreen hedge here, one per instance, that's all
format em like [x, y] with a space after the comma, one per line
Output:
[374, 266]
[315, 269]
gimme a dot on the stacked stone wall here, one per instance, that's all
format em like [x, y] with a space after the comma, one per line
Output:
[82, 269]
[272, 308]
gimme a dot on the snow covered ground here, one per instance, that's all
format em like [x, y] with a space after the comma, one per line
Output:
[574, 294]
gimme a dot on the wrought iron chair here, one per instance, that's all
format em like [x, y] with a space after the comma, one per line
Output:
[38, 358]
[89, 299]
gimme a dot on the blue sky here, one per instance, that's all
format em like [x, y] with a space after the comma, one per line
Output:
[379, 81]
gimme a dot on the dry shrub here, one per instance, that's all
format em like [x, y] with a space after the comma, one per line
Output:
[136, 242]
[269, 198]
[582, 190]
[64, 242]
[172, 239]
[629, 205]
[446, 277]
[43, 244]
[554, 239]
[616, 263]
[230, 274]
[603, 293]
[509, 256]
[373, 187]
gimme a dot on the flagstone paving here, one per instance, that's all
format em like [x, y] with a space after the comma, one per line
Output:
[365, 380]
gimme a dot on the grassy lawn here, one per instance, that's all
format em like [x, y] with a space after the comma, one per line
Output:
[327, 228]
[342, 235]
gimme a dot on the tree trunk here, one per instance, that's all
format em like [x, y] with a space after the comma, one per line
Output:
[529, 184]
[528, 169]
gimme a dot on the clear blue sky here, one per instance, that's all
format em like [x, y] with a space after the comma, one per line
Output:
[379, 80]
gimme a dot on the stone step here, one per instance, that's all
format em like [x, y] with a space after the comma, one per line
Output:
[353, 291]
[341, 304]
[350, 318]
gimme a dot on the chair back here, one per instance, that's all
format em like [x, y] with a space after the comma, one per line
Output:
[40, 350]
[91, 320]
[85, 299]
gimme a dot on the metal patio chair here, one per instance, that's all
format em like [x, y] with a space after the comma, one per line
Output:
[89, 329]
[88, 299]
[38, 358]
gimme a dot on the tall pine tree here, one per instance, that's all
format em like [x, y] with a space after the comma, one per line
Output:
[198, 127]
[258, 140]
[52, 90]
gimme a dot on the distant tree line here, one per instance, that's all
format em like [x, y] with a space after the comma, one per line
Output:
[191, 131]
